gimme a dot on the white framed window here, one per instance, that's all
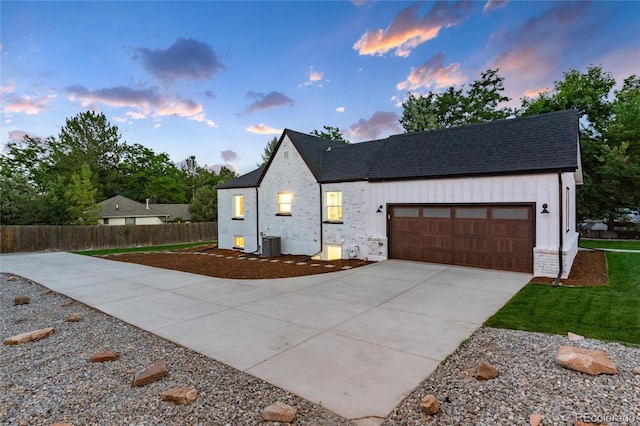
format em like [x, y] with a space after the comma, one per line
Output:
[284, 203]
[333, 206]
[238, 206]
[238, 242]
[332, 251]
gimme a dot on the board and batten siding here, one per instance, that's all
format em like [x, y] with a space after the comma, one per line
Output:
[229, 227]
[288, 173]
[535, 188]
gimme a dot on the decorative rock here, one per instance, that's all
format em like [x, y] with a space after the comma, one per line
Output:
[429, 405]
[574, 337]
[104, 356]
[590, 424]
[12, 278]
[584, 360]
[180, 395]
[535, 419]
[67, 303]
[486, 371]
[62, 424]
[45, 291]
[636, 370]
[22, 300]
[279, 412]
[74, 317]
[29, 336]
[150, 374]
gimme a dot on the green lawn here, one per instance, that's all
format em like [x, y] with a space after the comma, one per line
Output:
[607, 313]
[610, 244]
[138, 249]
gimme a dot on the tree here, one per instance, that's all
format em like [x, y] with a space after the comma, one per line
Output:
[609, 138]
[204, 206]
[147, 175]
[268, 151]
[330, 133]
[81, 198]
[90, 138]
[19, 200]
[453, 107]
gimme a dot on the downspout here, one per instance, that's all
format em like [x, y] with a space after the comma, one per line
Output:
[560, 230]
[321, 228]
[257, 222]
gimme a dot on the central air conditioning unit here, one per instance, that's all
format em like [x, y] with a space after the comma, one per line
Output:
[271, 246]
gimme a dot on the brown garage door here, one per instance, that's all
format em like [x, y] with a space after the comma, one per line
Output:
[486, 236]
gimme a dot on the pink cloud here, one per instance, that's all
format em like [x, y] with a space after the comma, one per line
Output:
[270, 100]
[263, 130]
[229, 155]
[407, 30]
[26, 104]
[314, 77]
[379, 123]
[433, 74]
[494, 4]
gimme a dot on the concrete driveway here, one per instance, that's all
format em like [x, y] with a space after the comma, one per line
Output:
[355, 341]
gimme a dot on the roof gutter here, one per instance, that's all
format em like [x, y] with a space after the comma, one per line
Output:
[560, 230]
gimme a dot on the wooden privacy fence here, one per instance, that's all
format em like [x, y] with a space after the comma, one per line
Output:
[15, 239]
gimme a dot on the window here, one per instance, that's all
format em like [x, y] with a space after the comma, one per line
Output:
[129, 220]
[238, 206]
[238, 242]
[332, 251]
[284, 203]
[333, 202]
[105, 221]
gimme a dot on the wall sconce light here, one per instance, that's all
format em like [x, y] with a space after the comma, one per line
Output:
[379, 209]
[544, 208]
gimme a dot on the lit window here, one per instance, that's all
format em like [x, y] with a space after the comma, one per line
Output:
[238, 206]
[333, 251]
[238, 242]
[284, 203]
[333, 202]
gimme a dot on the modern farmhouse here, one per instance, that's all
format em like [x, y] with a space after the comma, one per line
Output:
[498, 195]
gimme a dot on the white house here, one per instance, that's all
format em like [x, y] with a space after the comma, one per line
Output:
[496, 195]
[120, 210]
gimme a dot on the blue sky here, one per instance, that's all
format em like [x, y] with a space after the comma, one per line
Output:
[219, 80]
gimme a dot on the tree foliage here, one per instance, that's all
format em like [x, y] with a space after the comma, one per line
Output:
[330, 133]
[268, 151]
[81, 198]
[454, 107]
[204, 206]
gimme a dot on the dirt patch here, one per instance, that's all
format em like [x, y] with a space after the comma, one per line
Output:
[589, 269]
[214, 262]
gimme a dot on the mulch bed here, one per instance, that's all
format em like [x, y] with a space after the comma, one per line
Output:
[589, 269]
[215, 262]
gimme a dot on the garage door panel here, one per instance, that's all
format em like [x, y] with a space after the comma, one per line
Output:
[499, 237]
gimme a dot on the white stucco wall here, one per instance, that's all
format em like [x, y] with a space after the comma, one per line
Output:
[150, 220]
[229, 226]
[299, 232]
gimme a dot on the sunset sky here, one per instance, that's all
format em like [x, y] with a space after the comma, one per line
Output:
[219, 80]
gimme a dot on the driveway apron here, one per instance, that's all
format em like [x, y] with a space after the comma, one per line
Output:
[356, 341]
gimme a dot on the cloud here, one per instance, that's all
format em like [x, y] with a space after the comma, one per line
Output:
[217, 167]
[379, 123]
[314, 77]
[26, 104]
[186, 59]
[408, 30]
[494, 5]
[263, 130]
[229, 155]
[340, 109]
[18, 135]
[271, 100]
[433, 74]
[145, 102]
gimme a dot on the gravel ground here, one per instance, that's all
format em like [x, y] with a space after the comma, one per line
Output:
[52, 380]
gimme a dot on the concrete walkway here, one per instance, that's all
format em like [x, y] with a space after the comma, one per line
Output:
[355, 341]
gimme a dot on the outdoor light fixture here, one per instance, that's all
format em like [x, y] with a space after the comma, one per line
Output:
[379, 209]
[544, 208]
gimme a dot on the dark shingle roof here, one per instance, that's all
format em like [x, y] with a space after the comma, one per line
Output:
[540, 143]
[120, 206]
[248, 180]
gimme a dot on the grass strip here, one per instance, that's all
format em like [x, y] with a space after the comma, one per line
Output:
[610, 313]
[610, 244]
[142, 249]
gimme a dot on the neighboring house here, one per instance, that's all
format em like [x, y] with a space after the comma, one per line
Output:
[121, 210]
[497, 195]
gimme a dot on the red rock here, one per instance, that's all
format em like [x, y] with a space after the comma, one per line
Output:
[180, 395]
[29, 336]
[12, 278]
[62, 424]
[486, 371]
[104, 356]
[574, 337]
[590, 424]
[429, 405]
[67, 303]
[22, 300]
[535, 419]
[584, 360]
[74, 317]
[279, 412]
[636, 370]
[44, 292]
[150, 374]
